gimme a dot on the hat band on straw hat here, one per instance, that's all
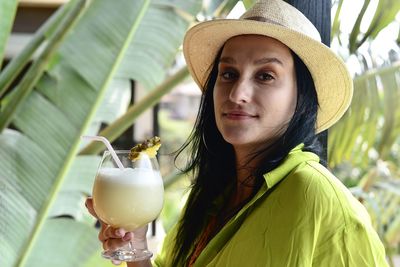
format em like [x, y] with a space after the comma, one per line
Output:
[262, 19]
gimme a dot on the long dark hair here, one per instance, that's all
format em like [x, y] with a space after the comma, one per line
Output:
[212, 159]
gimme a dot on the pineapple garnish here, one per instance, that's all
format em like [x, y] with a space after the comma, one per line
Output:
[149, 146]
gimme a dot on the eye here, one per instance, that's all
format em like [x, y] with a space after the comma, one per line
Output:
[228, 75]
[265, 76]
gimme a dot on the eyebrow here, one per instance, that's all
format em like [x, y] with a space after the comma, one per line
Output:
[264, 60]
[227, 60]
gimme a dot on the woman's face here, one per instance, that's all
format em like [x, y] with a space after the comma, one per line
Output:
[255, 93]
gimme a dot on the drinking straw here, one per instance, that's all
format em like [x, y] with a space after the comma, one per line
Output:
[108, 145]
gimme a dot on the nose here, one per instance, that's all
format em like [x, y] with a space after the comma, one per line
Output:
[240, 91]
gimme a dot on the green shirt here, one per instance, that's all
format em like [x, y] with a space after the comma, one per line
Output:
[310, 219]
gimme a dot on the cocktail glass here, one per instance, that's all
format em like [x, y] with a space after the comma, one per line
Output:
[128, 198]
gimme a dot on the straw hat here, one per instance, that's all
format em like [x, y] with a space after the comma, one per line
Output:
[279, 20]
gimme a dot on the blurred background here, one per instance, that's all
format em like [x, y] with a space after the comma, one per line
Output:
[115, 68]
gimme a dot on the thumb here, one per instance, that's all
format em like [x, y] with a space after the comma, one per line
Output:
[89, 206]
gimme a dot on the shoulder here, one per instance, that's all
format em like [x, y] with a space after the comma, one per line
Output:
[315, 181]
[315, 189]
[310, 181]
[344, 222]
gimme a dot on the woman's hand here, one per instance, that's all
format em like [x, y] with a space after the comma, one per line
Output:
[113, 238]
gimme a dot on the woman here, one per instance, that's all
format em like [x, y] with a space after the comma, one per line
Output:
[260, 197]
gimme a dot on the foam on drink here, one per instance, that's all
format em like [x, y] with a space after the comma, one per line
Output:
[128, 198]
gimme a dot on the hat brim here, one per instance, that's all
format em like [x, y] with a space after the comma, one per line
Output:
[331, 78]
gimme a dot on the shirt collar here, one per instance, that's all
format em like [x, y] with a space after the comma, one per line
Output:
[294, 158]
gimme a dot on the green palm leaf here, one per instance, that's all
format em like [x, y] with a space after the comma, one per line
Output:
[382, 199]
[371, 120]
[385, 13]
[336, 20]
[354, 35]
[36, 158]
[248, 3]
[391, 109]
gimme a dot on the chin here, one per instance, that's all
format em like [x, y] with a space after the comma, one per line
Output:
[237, 140]
[246, 139]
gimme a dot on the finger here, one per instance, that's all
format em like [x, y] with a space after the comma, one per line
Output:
[89, 206]
[114, 243]
[101, 235]
[108, 232]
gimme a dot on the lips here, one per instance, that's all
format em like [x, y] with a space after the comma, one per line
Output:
[238, 115]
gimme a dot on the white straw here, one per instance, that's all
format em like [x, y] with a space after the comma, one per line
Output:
[108, 145]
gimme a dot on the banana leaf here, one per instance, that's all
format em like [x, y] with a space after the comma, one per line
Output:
[119, 126]
[32, 76]
[56, 249]
[37, 155]
[8, 8]
[211, 6]
[11, 72]
[224, 8]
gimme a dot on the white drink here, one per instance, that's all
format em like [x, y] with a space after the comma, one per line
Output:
[128, 198]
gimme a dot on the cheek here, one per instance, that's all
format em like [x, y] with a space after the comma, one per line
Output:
[280, 105]
[288, 97]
